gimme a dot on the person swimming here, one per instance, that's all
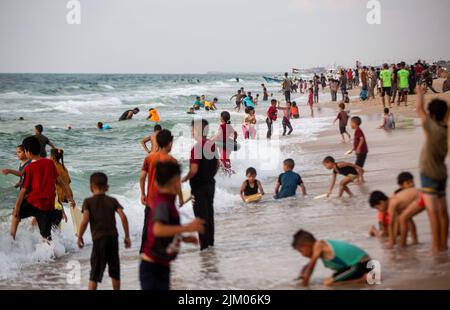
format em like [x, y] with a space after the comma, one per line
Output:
[127, 115]
[102, 126]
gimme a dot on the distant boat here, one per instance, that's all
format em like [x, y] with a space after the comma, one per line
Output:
[272, 79]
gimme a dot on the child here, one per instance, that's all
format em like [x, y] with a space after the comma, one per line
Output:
[271, 117]
[24, 161]
[343, 121]
[311, 100]
[256, 99]
[57, 156]
[197, 103]
[388, 120]
[350, 172]
[288, 181]
[346, 98]
[102, 126]
[433, 170]
[347, 260]
[43, 140]
[405, 180]
[226, 140]
[164, 230]
[152, 139]
[39, 188]
[286, 118]
[397, 211]
[251, 186]
[190, 111]
[359, 142]
[99, 211]
[294, 110]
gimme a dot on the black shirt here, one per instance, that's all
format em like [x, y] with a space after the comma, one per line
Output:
[205, 155]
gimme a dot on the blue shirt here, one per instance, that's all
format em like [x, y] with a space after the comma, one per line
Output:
[289, 182]
[248, 103]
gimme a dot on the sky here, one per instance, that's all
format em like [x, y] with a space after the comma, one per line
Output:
[198, 36]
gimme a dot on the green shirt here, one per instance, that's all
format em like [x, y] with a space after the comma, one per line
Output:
[345, 255]
[403, 77]
[386, 77]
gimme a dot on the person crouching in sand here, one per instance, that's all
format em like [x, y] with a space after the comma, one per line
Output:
[349, 262]
[350, 172]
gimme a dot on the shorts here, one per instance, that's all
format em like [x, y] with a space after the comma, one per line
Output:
[403, 90]
[352, 177]
[296, 116]
[386, 90]
[57, 218]
[433, 187]
[105, 251]
[43, 218]
[342, 129]
[422, 201]
[154, 276]
[238, 104]
[361, 160]
[354, 272]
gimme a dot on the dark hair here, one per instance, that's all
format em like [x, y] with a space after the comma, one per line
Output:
[32, 145]
[39, 128]
[376, 197]
[294, 104]
[438, 109]
[165, 171]
[215, 99]
[197, 97]
[136, 110]
[385, 66]
[251, 171]
[386, 110]
[273, 101]
[302, 237]
[329, 159]
[290, 163]
[100, 125]
[342, 105]
[99, 180]
[404, 177]
[164, 138]
[20, 146]
[205, 125]
[58, 155]
[157, 127]
[225, 115]
[357, 120]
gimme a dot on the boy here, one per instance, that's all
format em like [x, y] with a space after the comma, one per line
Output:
[164, 230]
[350, 172]
[405, 180]
[347, 260]
[39, 178]
[99, 211]
[197, 103]
[398, 211]
[127, 115]
[24, 161]
[386, 84]
[433, 170]
[288, 181]
[403, 84]
[388, 120]
[287, 114]
[343, 121]
[359, 142]
[152, 139]
[251, 186]
[271, 117]
[164, 139]
[43, 140]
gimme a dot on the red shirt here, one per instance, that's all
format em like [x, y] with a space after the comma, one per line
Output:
[358, 135]
[39, 180]
[272, 113]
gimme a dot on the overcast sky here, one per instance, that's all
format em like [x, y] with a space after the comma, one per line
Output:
[196, 36]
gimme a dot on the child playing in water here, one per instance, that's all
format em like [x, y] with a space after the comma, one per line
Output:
[433, 169]
[152, 139]
[102, 126]
[359, 142]
[24, 161]
[311, 100]
[38, 193]
[405, 180]
[288, 181]
[164, 230]
[57, 156]
[286, 118]
[343, 121]
[100, 212]
[388, 120]
[396, 211]
[350, 172]
[248, 124]
[251, 186]
[226, 139]
[349, 262]
[294, 110]
[271, 117]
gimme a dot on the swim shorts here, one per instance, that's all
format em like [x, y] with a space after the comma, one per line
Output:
[342, 129]
[361, 159]
[43, 218]
[354, 272]
[433, 187]
[403, 90]
[105, 251]
[422, 201]
[386, 90]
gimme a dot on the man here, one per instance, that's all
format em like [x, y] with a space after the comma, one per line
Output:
[127, 115]
[386, 85]
[403, 84]
[43, 140]
[286, 85]
[265, 93]
[203, 167]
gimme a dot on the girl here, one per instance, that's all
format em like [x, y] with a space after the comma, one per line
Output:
[226, 140]
[251, 186]
[311, 100]
[294, 110]
[57, 156]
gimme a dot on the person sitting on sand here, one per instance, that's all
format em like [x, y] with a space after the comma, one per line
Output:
[127, 115]
[350, 172]
[288, 181]
[349, 262]
[398, 212]
[152, 139]
[24, 161]
[251, 186]
[388, 120]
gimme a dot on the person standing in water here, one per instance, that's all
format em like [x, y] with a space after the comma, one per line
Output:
[226, 138]
[265, 93]
[127, 115]
[286, 86]
[43, 140]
